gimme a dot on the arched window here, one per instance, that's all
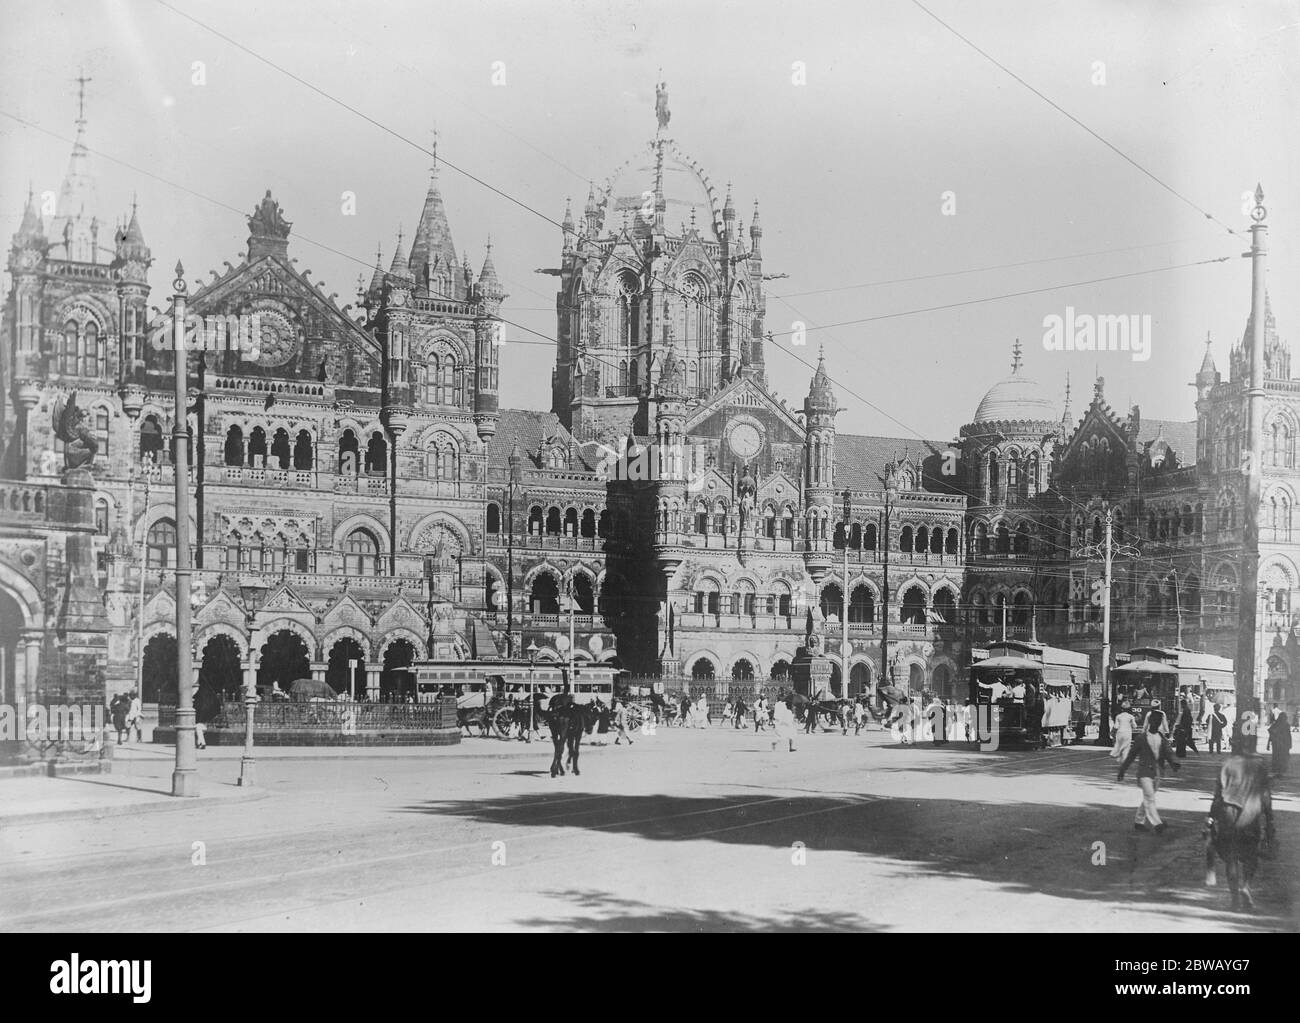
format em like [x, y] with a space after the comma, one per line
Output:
[1022, 538]
[922, 540]
[981, 538]
[361, 553]
[862, 606]
[377, 455]
[603, 524]
[160, 544]
[913, 609]
[535, 520]
[869, 537]
[234, 449]
[622, 377]
[787, 524]
[151, 439]
[349, 454]
[1004, 539]
[588, 524]
[701, 517]
[493, 518]
[553, 527]
[951, 542]
[571, 522]
[257, 448]
[101, 517]
[302, 451]
[905, 540]
[945, 605]
[832, 601]
[281, 453]
[68, 353]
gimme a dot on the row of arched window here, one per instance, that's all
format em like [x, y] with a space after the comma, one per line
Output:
[554, 521]
[83, 350]
[254, 452]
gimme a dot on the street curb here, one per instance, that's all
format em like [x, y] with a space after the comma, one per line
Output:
[125, 809]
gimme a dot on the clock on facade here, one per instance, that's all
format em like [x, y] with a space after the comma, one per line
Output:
[276, 344]
[744, 440]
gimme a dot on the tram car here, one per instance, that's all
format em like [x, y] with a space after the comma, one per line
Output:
[1007, 676]
[1146, 674]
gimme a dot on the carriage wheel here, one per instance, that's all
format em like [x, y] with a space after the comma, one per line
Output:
[503, 721]
[635, 718]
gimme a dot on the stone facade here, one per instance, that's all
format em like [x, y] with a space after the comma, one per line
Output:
[360, 495]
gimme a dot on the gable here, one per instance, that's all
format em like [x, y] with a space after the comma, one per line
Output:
[300, 328]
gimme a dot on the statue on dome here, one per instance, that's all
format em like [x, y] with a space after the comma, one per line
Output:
[661, 105]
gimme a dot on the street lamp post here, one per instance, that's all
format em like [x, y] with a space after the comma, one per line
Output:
[532, 696]
[890, 491]
[252, 592]
[844, 641]
[185, 776]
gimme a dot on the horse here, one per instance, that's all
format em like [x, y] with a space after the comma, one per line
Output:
[1242, 796]
[568, 721]
[468, 717]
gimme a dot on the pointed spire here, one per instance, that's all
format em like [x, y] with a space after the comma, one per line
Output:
[567, 223]
[1016, 357]
[487, 278]
[432, 248]
[377, 278]
[728, 207]
[399, 268]
[70, 228]
[30, 229]
[1207, 363]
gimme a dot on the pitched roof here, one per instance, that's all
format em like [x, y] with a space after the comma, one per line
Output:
[860, 460]
[1181, 437]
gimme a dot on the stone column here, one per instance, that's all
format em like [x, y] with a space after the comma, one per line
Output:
[372, 680]
[318, 671]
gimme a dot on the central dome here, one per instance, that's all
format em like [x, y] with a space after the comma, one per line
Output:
[1016, 398]
[685, 187]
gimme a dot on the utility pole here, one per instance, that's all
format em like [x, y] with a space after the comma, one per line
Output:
[1252, 471]
[844, 645]
[1106, 551]
[185, 776]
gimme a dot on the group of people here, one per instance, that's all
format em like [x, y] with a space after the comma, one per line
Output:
[1152, 744]
[125, 712]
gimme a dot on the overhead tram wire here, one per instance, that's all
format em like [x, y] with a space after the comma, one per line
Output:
[398, 135]
[547, 340]
[1061, 110]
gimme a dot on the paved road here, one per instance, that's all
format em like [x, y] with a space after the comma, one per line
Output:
[686, 830]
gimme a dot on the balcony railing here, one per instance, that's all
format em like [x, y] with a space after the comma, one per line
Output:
[23, 502]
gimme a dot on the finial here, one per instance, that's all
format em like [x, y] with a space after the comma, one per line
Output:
[1207, 339]
[133, 203]
[1259, 212]
[433, 150]
[692, 216]
[1015, 356]
[1067, 387]
[81, 81]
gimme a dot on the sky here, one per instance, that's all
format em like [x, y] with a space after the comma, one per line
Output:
[882, 147]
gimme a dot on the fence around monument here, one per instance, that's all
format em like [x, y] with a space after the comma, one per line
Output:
[329, 715]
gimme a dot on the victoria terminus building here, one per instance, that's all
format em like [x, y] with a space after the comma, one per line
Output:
[362, 500]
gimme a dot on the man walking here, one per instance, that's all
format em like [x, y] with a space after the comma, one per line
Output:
[620, 722]
[783, 718]
[938, 718]
[1183, 737]
[1150, 750]
[760, 713]
[1218, 725]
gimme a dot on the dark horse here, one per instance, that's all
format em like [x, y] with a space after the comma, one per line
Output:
[468, 717]
[1242, 799]
[568, 721]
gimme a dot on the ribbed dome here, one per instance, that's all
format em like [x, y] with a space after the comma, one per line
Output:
[684, 185]
[1016, 398]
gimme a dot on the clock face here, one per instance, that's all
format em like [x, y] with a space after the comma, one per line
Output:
[745, 440]
[276, 345]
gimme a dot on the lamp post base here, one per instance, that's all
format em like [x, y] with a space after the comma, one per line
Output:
[185, 783]
[185, 778]
[247, 772]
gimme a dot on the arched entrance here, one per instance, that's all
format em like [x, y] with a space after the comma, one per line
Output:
[341, 678]
[859, 680]
[158, 673]
[545, 596]
[781, 671]
[913, 611]
[11, 624]
[220, 669]
[396, 684]
[836, 676]
[832, 601]
[703, 670]
[284, 658]
[583, 594]
[742, 671]
[943, 681]
[915, 678]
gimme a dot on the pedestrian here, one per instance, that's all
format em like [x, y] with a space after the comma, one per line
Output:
[1218, 725]
[134, 717]
[783, 718]
[207, 706]
[620, 722]
[1150, 750]
[1183, 737]
[938, 718]
[859, 715]
[117, 710]
[760, 713]
[685, 715]
[727, 711]
[1279, 741]
[968, 718]
[1035, 709]
[1125, 723]
[705, 710]
[901, 720]
[738, 717]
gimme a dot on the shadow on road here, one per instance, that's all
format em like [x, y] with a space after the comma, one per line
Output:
[600, 911]
[1081, 850]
